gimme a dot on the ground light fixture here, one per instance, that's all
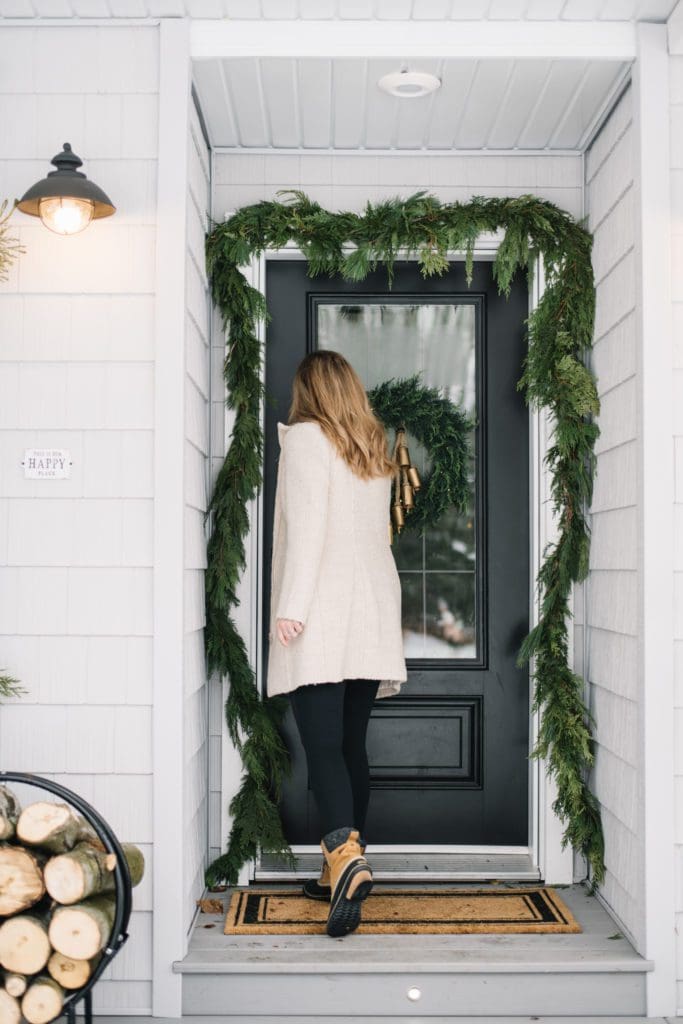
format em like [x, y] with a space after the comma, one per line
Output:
[65, 200]
[409, 84]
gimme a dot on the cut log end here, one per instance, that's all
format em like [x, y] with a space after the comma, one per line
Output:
[86, 871]
[10, 1009]
[56, 827]
[42, 819]
[43, 1001]
[15, 984]
[21, 879]
[82, 930]
[65, 879]
[70, 973]
[10, 809]
[24, 944]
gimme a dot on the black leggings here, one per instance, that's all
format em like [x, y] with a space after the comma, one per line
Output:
[332, 719]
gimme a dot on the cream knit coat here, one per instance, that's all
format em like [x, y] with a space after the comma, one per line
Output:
[332, 569]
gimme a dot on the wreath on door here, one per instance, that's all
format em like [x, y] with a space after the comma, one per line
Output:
[555, 376]
[443, 429]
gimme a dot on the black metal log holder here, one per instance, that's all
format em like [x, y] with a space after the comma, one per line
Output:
[124, 898]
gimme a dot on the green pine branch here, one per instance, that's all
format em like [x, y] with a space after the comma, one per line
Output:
[10, 687]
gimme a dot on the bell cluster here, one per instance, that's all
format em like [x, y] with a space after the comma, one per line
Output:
[406, 483]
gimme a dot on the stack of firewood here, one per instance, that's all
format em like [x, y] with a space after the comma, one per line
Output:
[57, 905]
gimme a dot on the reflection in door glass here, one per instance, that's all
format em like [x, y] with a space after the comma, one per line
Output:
[437, 340]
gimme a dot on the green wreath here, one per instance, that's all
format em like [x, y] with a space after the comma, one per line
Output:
[442, 427]
[555, 377]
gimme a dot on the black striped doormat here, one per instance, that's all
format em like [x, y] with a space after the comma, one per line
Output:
[444, 910]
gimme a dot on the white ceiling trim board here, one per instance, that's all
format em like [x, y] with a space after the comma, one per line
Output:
[330, 151]
[379, 10]
[598, 40]
[6, 21]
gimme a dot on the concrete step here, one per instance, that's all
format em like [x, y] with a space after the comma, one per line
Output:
[594, 972]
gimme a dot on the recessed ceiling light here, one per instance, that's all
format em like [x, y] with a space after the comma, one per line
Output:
[409, 84]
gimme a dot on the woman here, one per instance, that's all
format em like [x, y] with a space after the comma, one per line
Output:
[335, 611]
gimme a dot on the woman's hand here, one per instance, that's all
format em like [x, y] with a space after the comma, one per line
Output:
[288, 629]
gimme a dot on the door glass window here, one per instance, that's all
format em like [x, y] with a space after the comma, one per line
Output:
[382, 338]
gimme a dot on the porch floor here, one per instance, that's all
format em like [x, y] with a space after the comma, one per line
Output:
[599, 947]
[194, 1019]
[297, 977]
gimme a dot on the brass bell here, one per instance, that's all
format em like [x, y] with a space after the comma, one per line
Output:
[406, 482]
[397, 516]
[414, 477]
[407, 493]
[403, 455]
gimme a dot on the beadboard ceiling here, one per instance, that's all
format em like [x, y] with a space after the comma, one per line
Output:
[399, 10]
[289, 103]
[296, 96]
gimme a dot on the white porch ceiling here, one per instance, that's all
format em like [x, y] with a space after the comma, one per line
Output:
[492, 104]
[390, 10]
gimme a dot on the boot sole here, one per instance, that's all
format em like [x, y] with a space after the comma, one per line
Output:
[353, 888]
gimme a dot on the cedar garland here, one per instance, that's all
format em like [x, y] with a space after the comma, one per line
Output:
[555, 376]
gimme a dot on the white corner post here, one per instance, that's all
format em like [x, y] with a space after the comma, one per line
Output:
[546, 827]
[168, 936]
[656, 494]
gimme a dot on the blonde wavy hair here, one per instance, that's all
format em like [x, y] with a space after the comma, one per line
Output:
[327, 389]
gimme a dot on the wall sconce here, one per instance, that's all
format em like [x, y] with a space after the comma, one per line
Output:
[65, 200]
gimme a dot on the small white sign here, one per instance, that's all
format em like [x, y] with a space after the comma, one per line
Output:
[47, 463]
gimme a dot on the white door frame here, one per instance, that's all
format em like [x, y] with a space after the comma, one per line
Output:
[545, 828]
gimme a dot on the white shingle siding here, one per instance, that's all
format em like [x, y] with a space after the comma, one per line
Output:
[612, 587]
[676, 164]
[347, 182]
[197, 415]
[76, 371]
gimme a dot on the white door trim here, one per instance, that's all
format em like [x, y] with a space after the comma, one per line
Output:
[545, 828]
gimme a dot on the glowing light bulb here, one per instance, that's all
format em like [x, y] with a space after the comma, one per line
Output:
[65, 215]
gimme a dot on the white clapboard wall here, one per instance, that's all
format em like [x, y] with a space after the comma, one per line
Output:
[346, 182]
[196, 489]
[611, 611]
[676, 169]
[76, 372]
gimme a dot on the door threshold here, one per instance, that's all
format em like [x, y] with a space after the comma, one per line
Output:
[413, 867]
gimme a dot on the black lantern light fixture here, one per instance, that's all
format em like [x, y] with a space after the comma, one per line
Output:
[65, 200]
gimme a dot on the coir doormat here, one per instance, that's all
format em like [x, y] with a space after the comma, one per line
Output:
[414, 911]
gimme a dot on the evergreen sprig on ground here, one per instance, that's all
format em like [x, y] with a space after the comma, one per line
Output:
[555, 377]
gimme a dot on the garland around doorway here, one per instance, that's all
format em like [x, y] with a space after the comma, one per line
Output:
[555, 376]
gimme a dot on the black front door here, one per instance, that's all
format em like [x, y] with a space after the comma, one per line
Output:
[448, 754]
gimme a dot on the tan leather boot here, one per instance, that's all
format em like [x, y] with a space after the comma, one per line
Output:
[350, 880]
[320, 888]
